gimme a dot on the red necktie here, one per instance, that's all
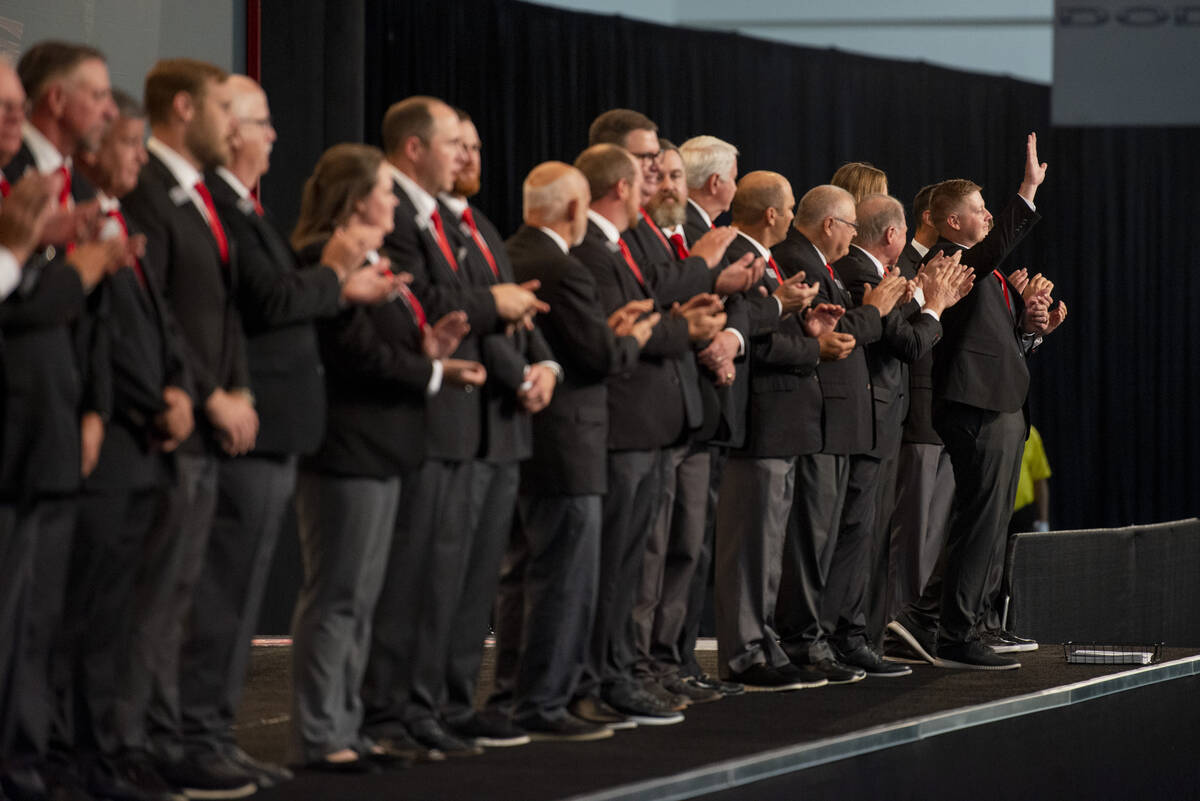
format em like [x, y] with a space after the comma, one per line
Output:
[137, 264]
[65, 192]
[637, 272]
[443, 243]
[771, 263]
[258, 209]
[5, 187]
[657, 231]
[1004, 286]
[414, 306]
[214, 222]
[829, 267]
[681, 248]
[469, 219]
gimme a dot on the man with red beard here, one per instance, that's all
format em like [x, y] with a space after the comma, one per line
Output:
[522, 376]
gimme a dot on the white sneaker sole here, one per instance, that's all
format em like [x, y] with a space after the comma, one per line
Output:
[912, 642]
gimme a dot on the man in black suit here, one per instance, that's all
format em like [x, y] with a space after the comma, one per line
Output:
[924, 489]
[980, 381]
[192, 259]
[405, 675]
[278, 303]
[522, 376]
[757, 487]
[831, 510]
[545, 609]
[648, 411]
[126, 496]
[910, 330]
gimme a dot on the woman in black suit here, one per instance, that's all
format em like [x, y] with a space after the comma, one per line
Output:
[381, 363]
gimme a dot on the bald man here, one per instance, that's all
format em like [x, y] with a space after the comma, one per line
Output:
[820, 234]
[546, 604]
[759, 478]
[278, 304]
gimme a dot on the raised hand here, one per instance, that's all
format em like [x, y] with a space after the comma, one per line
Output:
[884, 295]
[711, 247]
[739, 276]
[369, 285]
[623, 319]
[26, 211]
[794, 295]
[517, 303]
[644, 327]
[1035, 172]
[463, 372]
[822, 319]
[1038, 285]
[1057, 315]
[442, 338]
[1019, 279]
[947, 282]
[835, 345]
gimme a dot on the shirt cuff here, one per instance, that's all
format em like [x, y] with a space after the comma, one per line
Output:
[554, 367]
[778, 303]
[1028, 203]
[741, 340]
[435, 379]
[932, 314]
[919, 297]
[10, 272]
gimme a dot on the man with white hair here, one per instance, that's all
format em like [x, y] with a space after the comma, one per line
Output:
[546, 603]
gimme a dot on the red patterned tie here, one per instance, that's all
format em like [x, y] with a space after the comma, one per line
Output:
[65, 192]
[681, 248]
[137, 264]
[5, 187]
[443, 243]
[214, 222]
[771, 263]
[637, 272]
[469, 219]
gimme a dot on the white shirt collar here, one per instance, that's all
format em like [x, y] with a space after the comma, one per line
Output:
[675, 229]
[762, 251]
[179, 167]
[558, 240]
[879, 268]
[604, 224]
[921, 249]
[45, 155]
[703, 214]
[455, 203]
[423, 201]
[234, 183]
[108, 203]
[819, 253]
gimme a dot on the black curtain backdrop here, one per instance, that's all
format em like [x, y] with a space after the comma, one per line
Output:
[1113, 391]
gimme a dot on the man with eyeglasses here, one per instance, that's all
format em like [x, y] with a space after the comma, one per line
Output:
[821, 232]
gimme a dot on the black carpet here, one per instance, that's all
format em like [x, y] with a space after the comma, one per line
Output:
[728, 729]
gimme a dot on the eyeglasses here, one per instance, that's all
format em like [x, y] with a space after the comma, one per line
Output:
[847, 222]
[648, 157]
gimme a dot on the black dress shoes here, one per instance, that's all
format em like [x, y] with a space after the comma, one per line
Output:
[865, 658]
[430, 734]
[973, 655]
[778, 679]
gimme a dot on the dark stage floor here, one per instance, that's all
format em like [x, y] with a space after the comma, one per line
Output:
[731, 729]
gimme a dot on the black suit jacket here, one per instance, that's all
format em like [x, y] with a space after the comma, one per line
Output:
[507, 433]
[783, 408]
[454, 417]
[980, 361]
[146, 355]
[375, 381]
[200, 290]
[909, 261]
[570, 436]
[278, 303]
[908, 335]
[847, 422]
[646, 403]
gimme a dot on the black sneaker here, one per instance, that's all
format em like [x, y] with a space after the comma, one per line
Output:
[835, 672]
[265, 774]
[489, 728]
[640, 706]
[429, 733]
[208, 775]
[564, 727]
[921, 641]
[973, 655]
[1018, 642]
[677, 702]
[401, 746]
[712, 683]
[777, 679]
[691, 691]
[865, 658]
[136, 769]
[593, 710]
